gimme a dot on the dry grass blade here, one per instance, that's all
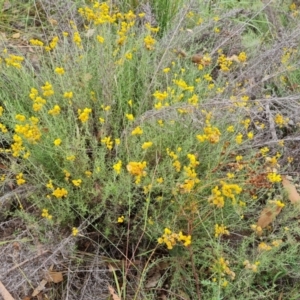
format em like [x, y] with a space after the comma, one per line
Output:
[4, 292]
[113, 293]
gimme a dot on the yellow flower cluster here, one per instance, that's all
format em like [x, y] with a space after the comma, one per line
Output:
[100, 14]
[14, 61]
[221, 266]
[137, 131]
[20, 179]
[60, 193]
[220, 230]
[108, 142]
[280, 120]
[273, 177]
[54, 111]
[83, 116]
[171, 238]
[77, 182]
[75, 231]
[227, 190]
[45, 214]
[191, 174]
[121, 219]
[174, 156]
[30, 131]
[211, 134]
[59, 70]
[242, 57]
[224, 63]
[146, 145]
[77, 39]
[47, 89]
[35, 42]
[117, 167]
[183, 85]
[52, 44]
[137, 169]
[249, 266]
[149, 42]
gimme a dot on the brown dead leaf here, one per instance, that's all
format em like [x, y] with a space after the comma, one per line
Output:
[113, 293]
[268, 215]
[52, 276]
[16, 35]
[53, 22]
[39, 288]
[291, 190]
[153, 280]
[90, 32]
[26, 298]
[233, 58]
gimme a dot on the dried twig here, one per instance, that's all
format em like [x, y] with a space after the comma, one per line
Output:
[271, 122]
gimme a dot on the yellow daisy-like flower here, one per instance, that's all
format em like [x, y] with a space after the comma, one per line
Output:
[57, 142]
[59, 71]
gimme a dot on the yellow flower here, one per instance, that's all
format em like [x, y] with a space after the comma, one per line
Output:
[77, 39]
[57, 142]
[49, 185]
[45, 214]
[130, 117]
[250, 135]
[83, 116]
[71, 157]
[59, 71]
[146, 145]
[160, 180]
[264, 247]
[35, 42]
[264, 151]
[60, 192]
[220, 230]
[137, 131]
[128, 56]
[239, 138]
[121, 219]
[166, 70]
[20, 179]
[68, 95]
[100, 39]
[274, 177]
[1, 110]
[77, 182]
[118, 166]
[242, 57]
[149, 42]
[88, 173]
[74, 231]
[20, 118]
[54, 111]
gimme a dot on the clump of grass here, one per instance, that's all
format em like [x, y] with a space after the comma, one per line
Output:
[119, 132]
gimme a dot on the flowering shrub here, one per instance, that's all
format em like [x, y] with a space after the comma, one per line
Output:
[106, 134]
